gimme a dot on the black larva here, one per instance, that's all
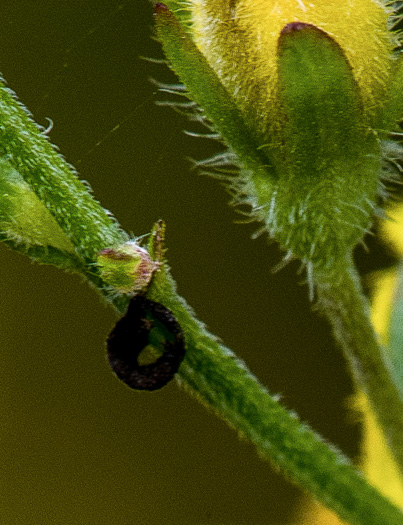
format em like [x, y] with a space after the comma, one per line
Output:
[131, 335]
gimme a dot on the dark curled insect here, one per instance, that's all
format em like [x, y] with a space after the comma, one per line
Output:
[146, 323]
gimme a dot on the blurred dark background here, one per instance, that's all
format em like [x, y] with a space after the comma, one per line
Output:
[77, 446]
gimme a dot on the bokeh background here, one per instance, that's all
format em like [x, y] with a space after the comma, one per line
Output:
[76, 445]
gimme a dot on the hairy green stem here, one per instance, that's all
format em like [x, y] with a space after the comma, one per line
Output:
[223, 382]
[342, 301]
[89, 227]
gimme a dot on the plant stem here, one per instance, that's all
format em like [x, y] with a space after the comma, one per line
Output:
[89, 227]
[342, 301]
[223, 382]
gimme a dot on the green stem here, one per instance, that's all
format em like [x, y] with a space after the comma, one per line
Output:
[342, 301]
[89, 227]
[223, 382]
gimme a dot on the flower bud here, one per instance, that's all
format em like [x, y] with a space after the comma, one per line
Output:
[127, 268]
[240, 39]
[303, 93]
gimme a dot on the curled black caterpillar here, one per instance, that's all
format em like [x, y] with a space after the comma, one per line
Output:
[131, 335]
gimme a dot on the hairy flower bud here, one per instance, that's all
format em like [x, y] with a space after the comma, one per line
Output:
[303, 93]
[127, 268]
[239, 39]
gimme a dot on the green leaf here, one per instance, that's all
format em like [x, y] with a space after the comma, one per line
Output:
[23, 216]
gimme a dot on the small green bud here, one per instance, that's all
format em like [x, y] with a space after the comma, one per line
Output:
[127, 268]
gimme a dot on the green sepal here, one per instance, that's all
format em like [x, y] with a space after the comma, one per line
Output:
[393, 110]
[329, 179]
[320, 98]
[205, 88]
